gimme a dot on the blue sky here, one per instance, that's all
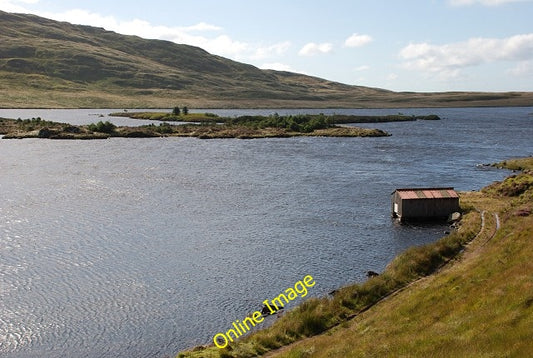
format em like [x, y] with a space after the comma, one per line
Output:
[408, 45]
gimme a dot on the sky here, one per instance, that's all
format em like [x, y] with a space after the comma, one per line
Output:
[407, 45]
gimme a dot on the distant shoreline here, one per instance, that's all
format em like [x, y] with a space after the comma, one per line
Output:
[290, 106]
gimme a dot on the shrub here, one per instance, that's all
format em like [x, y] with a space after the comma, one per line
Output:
[164, 128]
[102, 127]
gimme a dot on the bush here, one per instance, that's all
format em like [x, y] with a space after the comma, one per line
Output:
[297, 123]
[164, 128]
[102, 127]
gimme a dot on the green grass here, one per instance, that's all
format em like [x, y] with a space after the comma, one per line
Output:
[516, 164]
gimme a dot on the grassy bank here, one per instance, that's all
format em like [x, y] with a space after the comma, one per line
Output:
[480, 304]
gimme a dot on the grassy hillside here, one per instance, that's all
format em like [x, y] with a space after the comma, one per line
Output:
[45, 63]
[477, 304]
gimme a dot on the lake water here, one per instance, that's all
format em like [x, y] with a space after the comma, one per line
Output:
[144, 247]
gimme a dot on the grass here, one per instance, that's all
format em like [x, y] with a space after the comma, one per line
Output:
[516, 164]
[479, 305]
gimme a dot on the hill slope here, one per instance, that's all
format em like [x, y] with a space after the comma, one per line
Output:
[45, 63]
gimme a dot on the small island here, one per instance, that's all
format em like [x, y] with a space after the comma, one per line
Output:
[204, 126]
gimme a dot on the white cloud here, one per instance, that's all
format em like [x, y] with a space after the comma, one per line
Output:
[482, 2]
[392, 76]
[362, 68]
[451, 58]
[523, 68]
[357, 40]
[202, 26]
[312, 49]
[15, 5]
[274, 50]
[276, 66]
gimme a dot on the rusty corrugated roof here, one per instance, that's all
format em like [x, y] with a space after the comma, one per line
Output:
[427, 193]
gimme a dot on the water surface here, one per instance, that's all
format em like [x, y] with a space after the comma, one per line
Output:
[143, 247]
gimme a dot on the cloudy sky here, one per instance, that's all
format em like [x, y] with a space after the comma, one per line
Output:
[408, 45]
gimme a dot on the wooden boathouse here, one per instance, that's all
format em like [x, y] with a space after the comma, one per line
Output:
[424, 203]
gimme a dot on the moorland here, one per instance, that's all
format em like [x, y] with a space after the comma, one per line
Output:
[50, 64]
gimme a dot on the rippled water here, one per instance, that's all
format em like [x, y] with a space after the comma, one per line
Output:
[144, 247]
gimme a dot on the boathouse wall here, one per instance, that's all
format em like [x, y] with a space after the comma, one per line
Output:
[424, 203]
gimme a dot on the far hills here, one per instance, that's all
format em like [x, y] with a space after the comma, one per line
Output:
[51, 64]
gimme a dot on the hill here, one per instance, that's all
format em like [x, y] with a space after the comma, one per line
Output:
[46, 63]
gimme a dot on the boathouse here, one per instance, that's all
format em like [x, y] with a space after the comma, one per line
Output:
[424, 203]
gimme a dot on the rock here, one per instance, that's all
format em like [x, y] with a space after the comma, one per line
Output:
[370, 274]
[454, 217]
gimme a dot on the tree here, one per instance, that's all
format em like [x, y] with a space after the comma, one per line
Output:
[185, 110]
[176, 111]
